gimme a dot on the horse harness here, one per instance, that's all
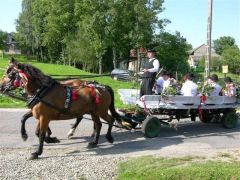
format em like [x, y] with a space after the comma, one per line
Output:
[38, 97]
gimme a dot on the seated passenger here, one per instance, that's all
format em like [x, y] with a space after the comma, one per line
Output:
[167, 79]
[159, 84]
[230, 89]
[169, 84]
[189, 88]
[212, 80]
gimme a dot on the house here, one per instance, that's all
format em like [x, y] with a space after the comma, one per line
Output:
[11, 45]
[200, 52]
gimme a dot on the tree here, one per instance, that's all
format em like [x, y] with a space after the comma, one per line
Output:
[109, 29]
[231, 57]
[40, 9]
[215, 63]
[3, 38]
[223, 43]
[121, 25]
[61, 23]
[172, 52]
[24, 28]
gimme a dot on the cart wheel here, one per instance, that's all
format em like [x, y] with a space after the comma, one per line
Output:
[230, 119]
[151, 127]
[206, 117]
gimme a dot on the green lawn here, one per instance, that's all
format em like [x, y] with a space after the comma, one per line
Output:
[53, 69]
[187, 168]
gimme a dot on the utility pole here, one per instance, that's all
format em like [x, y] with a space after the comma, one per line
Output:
[209, 39]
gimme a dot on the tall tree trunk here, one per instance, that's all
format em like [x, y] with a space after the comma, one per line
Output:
[64, 61]
[74, 62]
[114, 56]
[100, 65]
[41, 54]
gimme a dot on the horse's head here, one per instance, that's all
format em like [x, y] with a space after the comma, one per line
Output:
[10, 79]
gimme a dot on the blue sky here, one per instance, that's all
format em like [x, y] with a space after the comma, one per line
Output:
[189, 17]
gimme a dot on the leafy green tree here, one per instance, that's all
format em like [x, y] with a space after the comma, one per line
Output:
[231, 57]
[201, 62]
[3, 38]
[109, 29]
[215, 64]
[223, 43]
[60, 24]
[40, 9]
[79, 50]
[172, 52]
[24, 28]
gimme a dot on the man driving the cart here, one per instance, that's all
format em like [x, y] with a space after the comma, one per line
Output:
[149, 73]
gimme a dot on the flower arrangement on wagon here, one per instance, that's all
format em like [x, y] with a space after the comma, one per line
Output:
[205, 88]
[171, 90]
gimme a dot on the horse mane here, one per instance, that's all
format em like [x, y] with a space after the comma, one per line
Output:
[35, 74]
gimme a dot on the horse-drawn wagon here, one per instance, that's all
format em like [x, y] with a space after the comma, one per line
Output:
[153, 111]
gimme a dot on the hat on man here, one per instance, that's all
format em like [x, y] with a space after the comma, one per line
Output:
[151, 50]
[214, 77]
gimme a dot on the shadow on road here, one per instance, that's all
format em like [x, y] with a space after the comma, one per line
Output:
[127, 142]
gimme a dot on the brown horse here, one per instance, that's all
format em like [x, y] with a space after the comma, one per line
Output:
[11, 79]
[12, 76]
[50, 97]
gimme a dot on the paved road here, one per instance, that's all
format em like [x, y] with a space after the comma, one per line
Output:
[191, 138]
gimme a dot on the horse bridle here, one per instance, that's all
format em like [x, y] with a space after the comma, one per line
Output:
[14, 81]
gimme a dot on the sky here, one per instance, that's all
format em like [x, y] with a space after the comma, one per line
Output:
[189, 17]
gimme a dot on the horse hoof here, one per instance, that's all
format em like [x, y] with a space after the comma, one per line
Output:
[71, 133]
[33, 156]
[24, 137]
[51, 140]
[69, 136]
[110, 139]
[92, 145]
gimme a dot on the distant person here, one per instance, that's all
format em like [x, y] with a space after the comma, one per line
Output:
[212, 80]
[230, 89]
[149, 73]
[189, 88]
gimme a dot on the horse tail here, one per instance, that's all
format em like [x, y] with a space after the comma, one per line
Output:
[112, 106]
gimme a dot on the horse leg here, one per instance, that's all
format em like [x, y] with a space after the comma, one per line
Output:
[72, 130]
[43, 125]
[98, 126]
[94, 130]
[49, 139]
[110, 121]
[37, 130]
[23, 122]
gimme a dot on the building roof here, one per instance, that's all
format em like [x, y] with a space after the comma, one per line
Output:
[203, 46]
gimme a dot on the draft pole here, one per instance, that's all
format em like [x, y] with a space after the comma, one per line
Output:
[209, 39]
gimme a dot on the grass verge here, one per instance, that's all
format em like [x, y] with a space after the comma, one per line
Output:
[61, 70]
[151, 168]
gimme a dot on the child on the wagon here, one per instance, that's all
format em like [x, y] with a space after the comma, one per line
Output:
[230, 89]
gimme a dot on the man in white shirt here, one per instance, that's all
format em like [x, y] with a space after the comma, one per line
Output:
[213, 83]
[189, 88]
[149, 73]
